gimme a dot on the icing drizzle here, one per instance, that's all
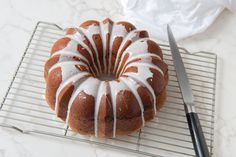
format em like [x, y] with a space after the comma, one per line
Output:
[86, 81]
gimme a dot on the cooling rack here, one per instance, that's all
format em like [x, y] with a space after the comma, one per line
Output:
[24, 108]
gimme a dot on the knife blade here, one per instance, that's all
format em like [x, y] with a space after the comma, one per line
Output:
[199, 142]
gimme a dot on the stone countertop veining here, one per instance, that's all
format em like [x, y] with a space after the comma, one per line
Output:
[17, 20]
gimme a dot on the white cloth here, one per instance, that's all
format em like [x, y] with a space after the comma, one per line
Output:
[186, 17]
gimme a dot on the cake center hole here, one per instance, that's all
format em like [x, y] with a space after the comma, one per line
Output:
[107, 77]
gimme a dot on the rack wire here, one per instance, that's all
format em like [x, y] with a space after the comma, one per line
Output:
[24, 107]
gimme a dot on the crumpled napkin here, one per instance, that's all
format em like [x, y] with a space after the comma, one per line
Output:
[186, 17]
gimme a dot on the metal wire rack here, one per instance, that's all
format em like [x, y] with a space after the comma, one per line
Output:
[24, 107]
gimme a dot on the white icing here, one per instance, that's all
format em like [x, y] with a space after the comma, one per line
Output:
[143, 74]
[130, 36]
[93, 29]
[118, 30]
[70, 53]
[145, 59]
[67, 68]
[65, 53]
[89, 86]
[100, 92]
[115, 88]
[143, 82]
[144, 68]
[104, 28]
[89, 32]
[78, 35]
[144, 56]
[72, 80]
[71, 46]
[133, 86]
[84, 46]
[138, 47]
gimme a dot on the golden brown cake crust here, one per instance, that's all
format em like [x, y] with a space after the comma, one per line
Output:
[106, 79]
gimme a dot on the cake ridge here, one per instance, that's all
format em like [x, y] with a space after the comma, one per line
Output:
[103, 37]
[145, 65]
[75, 94]
[97, 106]
[66, 53]
[87, 48]
[69, 53]
[137, 96]
[118, 27]
[110, 48]
[127, 51]
[142, 56]
[144, 83]
[59, 64]
[89, 34]
[114, 90]
[121, 46]
[73, 79]
[113, 102]
[130, 38]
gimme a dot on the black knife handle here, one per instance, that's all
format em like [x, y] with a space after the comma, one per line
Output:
[197, 135]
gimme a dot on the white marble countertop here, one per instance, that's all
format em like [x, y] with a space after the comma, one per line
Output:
[18, 18]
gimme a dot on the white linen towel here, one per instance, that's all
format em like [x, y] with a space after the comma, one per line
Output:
[186, 17]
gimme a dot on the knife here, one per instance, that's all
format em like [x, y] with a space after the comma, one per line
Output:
[199, 142]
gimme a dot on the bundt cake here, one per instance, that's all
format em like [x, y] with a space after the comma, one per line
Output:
[105, 78]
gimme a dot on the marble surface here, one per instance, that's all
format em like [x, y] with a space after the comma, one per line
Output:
[18, 18]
